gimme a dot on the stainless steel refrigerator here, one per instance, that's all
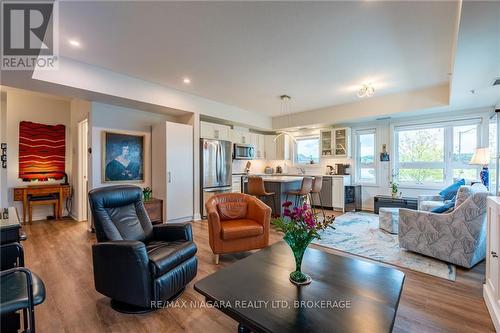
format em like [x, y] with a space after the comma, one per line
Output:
[215, 167]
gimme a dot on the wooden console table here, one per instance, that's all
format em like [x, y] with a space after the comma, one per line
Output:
[22, 194]
[154, 208]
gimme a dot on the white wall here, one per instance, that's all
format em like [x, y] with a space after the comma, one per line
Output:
[27, 106]
[106, 117]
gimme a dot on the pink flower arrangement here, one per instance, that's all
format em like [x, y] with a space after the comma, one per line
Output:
[301, 219]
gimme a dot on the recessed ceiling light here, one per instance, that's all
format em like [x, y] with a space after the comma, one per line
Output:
[74, 42]
[186, 80]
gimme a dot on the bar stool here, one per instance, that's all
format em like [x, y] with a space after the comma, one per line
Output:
[316, 188]
[303, 192]
[257, 189]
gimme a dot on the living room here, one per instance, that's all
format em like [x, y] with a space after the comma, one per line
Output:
[343, 154]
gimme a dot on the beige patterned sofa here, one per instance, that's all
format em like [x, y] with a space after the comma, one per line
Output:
[458, 237]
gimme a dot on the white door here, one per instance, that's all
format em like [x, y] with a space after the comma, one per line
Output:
[180, 175]
[83, 171]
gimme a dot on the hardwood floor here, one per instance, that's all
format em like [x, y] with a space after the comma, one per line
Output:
[60, 252]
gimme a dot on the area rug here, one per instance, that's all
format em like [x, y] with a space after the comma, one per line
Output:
[358, 233]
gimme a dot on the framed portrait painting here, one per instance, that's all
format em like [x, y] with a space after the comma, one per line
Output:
[122, 157]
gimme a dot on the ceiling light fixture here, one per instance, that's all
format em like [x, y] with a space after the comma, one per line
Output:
[74, 42]
[285, 110]
[186, 80]
[366, 90]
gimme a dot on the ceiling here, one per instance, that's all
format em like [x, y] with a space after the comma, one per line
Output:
[246, 54]
[477, 57]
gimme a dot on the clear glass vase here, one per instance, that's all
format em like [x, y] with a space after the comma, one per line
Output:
[298, 242]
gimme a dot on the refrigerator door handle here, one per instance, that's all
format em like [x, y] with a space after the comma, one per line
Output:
[218, 189]
[217, 163]
[169, 177]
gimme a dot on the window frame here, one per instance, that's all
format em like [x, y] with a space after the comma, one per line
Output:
[296, 151]
[357, 157]
[448, 165]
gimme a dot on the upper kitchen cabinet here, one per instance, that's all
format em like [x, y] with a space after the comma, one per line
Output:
[258, 140]
[280, 149]
[238, 136]
[326, 138]
[214, 131]
[342, 142]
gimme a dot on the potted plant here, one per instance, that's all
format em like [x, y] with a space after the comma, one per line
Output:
[301, 227]
[394, 186]
[394, 189]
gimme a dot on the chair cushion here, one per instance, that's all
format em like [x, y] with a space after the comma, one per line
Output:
[232, 210]
[43, 197]
[14, 294]
[451, 191]
[164, 256]
[449, 205]
[241, 228]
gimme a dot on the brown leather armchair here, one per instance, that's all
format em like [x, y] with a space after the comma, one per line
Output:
[237, 222]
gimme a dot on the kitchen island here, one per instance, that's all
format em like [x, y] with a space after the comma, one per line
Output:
[279, 185]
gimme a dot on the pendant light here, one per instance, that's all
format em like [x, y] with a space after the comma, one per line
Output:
[285, 110]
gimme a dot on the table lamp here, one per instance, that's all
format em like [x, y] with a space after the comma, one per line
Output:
[482, 157]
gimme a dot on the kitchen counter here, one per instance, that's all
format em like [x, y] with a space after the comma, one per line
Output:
[282, 179]
[290, 175]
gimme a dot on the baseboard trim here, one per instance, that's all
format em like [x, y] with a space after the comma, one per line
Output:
[182, 219]
[492, 306]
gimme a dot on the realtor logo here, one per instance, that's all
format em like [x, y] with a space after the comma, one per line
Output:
[29, 31]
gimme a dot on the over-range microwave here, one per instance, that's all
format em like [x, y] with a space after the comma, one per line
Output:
[243, 151]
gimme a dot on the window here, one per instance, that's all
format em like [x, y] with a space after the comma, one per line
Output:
[307, 150]
[436, 154]
[365, 157]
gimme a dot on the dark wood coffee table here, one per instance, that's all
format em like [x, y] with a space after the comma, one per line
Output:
[242, 290]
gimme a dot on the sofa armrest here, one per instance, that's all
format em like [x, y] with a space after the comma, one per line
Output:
[121, 271]
[259, 212]
[213, 218]
[173, 232]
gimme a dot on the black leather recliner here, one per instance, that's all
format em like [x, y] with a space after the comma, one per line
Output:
[136, 263]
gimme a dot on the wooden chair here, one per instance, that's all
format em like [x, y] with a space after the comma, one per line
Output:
[257, 188]
[302, 193]
[43, 200]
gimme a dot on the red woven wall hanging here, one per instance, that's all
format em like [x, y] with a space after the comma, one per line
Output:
[42, 151]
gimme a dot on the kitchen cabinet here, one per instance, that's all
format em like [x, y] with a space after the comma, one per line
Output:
[258, 140]
[342, 142]
[326, 142]
[281, 149]
[269, 147]
[238, 136]
[491, 287]
[172, 169]
[236, 184]
[214, 131]
[333, 192]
